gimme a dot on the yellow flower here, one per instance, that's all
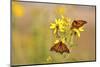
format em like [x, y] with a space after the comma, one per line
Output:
[78, 30]
[17, 9]
[60, 24]
[57, 26]
[60, 10]
[49, 59]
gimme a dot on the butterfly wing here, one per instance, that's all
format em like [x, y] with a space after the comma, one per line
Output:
[78, 23]
[60, 47]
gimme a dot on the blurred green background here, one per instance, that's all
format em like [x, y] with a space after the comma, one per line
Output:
[32, 37]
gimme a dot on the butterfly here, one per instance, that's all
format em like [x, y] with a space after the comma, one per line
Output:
[78, 23]
[60, 48]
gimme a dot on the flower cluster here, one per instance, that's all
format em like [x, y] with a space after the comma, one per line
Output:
[65, 29]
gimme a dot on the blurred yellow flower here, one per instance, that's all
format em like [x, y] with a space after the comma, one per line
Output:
[61, 10]
[17, 9]
[78, 30]
[49, 59]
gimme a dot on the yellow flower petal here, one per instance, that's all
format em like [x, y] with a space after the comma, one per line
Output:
[55, 30]
[81, 29]
[77, 32]
[62, 17]
[59, 21]
[62, 30]
[56, 41]
[52, 26]
[66, 20]
[56, 21]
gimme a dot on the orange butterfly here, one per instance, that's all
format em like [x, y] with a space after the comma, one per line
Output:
[78, 23]
[60, 47]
